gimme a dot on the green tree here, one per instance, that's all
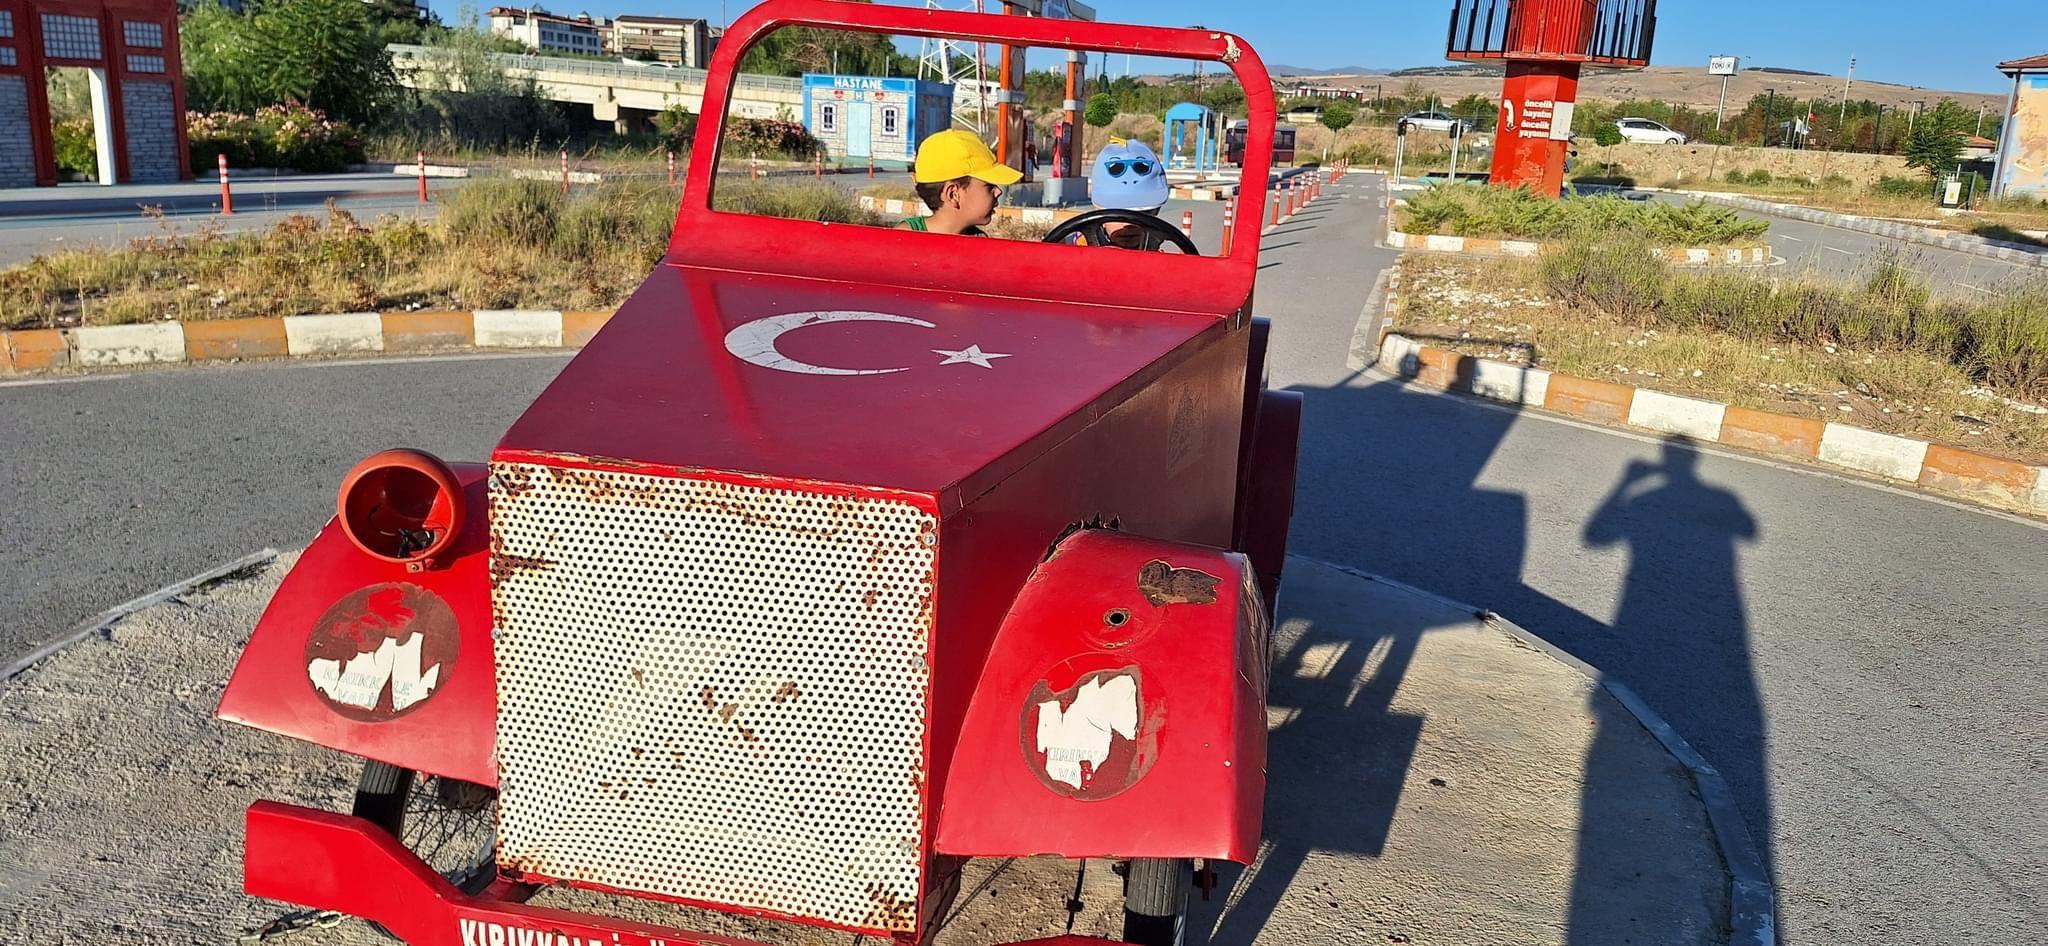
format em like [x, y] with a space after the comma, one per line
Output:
[324, 54]
[1336, 117]
[1937, 140]
[1101, 110]
[1606, 135]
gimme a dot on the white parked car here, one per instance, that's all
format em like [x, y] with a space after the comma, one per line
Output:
[1436, 121]
[1643, 131]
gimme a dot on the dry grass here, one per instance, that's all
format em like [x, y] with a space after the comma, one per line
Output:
[1506, 310]
[498, 244]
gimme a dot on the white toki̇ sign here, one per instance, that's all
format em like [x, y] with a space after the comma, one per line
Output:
[1541, 118]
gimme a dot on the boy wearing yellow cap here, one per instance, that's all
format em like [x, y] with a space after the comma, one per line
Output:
[959, 179]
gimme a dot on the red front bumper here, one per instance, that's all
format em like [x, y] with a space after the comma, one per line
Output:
[336, 862]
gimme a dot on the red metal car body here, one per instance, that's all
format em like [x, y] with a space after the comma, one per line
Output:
[839, 556]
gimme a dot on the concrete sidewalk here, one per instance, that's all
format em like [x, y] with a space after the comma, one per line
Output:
[1431, 781]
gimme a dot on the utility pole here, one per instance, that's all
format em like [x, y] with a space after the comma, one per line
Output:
[1846, 83]
[1770, 116]
[1980, 121]
[1877, 138]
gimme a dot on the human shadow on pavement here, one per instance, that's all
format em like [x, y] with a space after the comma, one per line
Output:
[1399, 481]
[1682, 597]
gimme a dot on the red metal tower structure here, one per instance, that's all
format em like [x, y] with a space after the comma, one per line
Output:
[129, 48]
[1544, 44]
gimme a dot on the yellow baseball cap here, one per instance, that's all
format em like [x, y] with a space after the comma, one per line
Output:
[957, 153]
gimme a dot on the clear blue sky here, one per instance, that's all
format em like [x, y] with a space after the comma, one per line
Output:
[1893, 40]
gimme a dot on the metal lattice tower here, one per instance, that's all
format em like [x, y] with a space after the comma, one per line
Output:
[963, 68]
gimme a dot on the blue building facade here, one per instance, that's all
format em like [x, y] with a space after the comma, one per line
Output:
[863, 117]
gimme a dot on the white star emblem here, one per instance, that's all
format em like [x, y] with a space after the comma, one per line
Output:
[972, 354]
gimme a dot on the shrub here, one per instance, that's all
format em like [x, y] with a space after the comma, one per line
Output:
[1736, 176]
[278, 136]
[1612, 272]
[503, 213]
[676, 126]
[2001, 343]
[1101, 110]
[1474, 210]
[763, 137]
[1759, 177]
[825, 202]
[1901, 187]
[1606, 134]
[77, 151]
[1836, 182]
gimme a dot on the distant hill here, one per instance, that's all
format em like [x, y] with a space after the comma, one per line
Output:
[1284, 70]
[1679, 85]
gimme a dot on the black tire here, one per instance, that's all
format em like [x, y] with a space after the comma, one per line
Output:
[450, 824]
[1156, 900]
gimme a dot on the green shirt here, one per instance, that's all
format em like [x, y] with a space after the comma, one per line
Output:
[918, 224]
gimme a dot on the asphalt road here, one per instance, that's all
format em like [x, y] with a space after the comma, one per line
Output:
[1849, 254]
[1863, 665]
[42, 219]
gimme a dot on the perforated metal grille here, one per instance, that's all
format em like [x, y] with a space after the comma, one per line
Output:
[145, 63]
[6, 24]
[712, 691]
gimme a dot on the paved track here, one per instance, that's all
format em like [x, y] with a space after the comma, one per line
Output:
[1848, 254]
[1864, 666]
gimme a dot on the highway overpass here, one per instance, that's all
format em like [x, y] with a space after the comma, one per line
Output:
[626, 95]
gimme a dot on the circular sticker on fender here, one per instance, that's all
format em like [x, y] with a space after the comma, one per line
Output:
[383, 651]
[1097, 734]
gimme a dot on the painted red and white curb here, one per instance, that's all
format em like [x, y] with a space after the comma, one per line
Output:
[1678, 256]
[1984, 480]
[341, 333]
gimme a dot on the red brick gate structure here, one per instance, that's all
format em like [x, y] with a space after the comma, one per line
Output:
[130, 50]
[1545, 43]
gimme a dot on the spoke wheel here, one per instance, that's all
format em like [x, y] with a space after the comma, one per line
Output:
[449, 824]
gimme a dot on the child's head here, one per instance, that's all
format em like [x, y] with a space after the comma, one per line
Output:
[958, 177]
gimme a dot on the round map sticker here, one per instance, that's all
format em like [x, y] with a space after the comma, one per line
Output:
[1096, 737]
[383, 651]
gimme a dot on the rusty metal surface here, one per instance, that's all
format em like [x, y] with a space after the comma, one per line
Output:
[713, 691]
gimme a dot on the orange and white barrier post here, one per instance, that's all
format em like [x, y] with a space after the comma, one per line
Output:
[422, 156]
[1187, 224]
[227, 197]
[1229, 221]
[871, 167]
[565, 170]
[671, 167]
[1276, 208]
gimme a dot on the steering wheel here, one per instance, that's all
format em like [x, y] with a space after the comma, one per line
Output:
[1092, 226]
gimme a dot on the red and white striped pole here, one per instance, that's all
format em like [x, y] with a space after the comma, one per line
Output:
[1293, 196]
[818, 165]
[671, 167]
[227, 197]
[422, 156]
[1229, 222]
[565, 170]
[1187, 224]
[1276, 208]
[871, 164]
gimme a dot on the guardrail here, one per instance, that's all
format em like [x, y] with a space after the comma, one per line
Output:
[596, 69]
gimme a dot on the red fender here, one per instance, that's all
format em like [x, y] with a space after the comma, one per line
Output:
[1121, 711]
[434, 699]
